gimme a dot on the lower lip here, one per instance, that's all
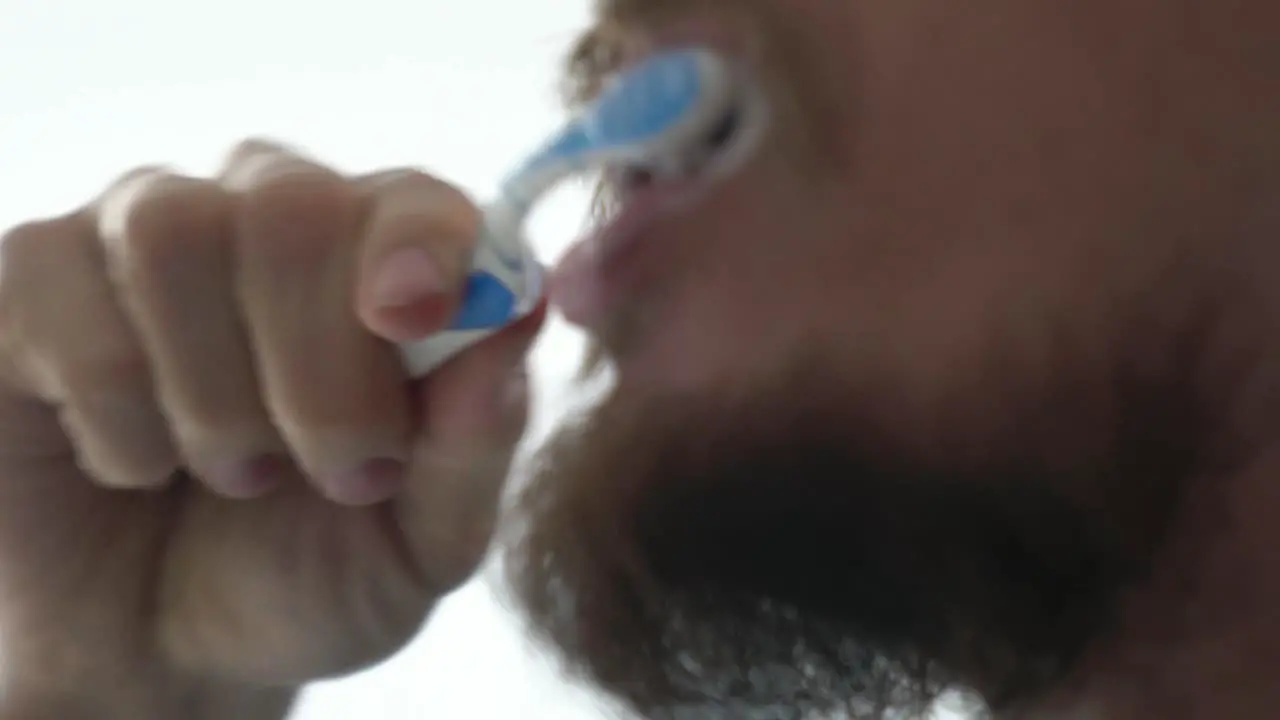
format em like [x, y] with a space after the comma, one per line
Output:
[597, 273]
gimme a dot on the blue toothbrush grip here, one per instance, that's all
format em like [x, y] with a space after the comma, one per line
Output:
[497, 294]
[487, 303]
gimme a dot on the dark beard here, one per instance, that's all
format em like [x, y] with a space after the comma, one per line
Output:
[778, 558]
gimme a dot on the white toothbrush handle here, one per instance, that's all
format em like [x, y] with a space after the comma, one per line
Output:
[424, 356]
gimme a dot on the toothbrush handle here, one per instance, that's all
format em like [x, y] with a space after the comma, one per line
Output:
[424, 356]
[498, 292]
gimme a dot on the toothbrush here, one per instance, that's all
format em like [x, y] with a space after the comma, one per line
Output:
[648, 115]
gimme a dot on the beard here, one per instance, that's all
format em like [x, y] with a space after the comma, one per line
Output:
[778, 555]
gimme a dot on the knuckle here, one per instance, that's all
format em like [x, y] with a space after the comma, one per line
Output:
[120, 439]
[418, 203]
[297, 212]
[299, 186]
[28, 244]
[332, 435]
[417, 181]
[251, 151]
[163, 223]
[37, 263]
[210, 440]
[113, 206]
[446, 242]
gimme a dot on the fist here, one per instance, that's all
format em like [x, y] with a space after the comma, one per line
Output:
[212, 463]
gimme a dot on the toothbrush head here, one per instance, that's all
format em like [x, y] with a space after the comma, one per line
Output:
[655, 111]
[659, 106]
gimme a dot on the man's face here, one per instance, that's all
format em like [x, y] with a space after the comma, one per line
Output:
[911, 402]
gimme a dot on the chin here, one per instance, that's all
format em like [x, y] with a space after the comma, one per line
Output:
[777, 556]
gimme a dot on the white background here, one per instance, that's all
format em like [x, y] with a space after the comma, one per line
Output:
[90, 88]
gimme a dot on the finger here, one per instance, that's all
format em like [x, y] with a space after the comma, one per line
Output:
[416, 254]
[474, 410]
[336, 392]
[80, 351]
[169, 247]
[250, 158]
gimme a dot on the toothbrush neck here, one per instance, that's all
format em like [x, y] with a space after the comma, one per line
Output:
[505, 219]
[564, 155]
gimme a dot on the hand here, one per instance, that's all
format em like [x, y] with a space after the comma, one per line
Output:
[213, 470]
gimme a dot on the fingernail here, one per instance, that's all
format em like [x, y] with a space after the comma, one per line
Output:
[246, 479]
[373, 481]
[406, 276]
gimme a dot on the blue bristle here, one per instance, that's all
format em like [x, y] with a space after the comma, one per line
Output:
[652, 98]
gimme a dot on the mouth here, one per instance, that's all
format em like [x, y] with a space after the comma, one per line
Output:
[595, 275]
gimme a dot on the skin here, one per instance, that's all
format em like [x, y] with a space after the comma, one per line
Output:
[966, 382]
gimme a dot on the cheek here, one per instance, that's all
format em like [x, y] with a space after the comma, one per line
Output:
[1007, 182]
[758, 288]
[976, 182]
[1005, 129]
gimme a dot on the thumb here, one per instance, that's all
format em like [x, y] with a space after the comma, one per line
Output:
[472, 411]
